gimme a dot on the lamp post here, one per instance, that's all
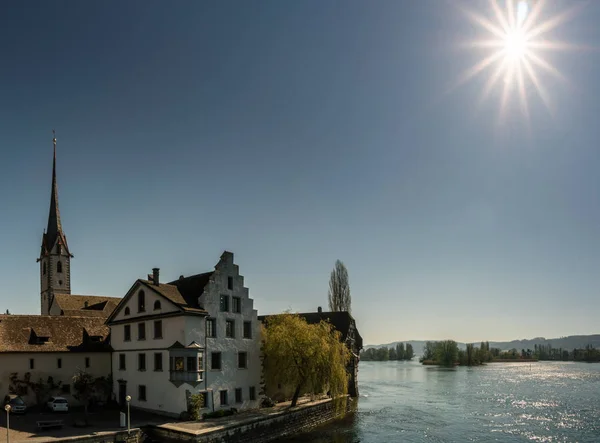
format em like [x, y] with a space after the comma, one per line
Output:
[128, 400]
[7, 408]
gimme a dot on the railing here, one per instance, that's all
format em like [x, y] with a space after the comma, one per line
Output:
[186, 375]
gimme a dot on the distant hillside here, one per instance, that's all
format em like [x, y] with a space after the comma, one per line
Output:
[571, 342]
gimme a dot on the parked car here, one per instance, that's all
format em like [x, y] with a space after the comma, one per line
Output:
[17, 405]
[58, 404]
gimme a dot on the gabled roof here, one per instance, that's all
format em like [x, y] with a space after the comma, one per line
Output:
[66, 334]
[192, 287]
[86, 305]
[168, 291]
[342, 321]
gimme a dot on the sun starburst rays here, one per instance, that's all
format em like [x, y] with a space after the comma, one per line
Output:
[518, 40]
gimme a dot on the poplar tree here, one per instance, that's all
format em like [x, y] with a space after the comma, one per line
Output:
[339, 289]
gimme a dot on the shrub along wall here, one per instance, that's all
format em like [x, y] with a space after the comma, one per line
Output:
[262, 429]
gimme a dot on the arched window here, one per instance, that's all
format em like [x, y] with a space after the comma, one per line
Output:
[44, 268]
[59, 267]
[127, 310]
[157, 305]
[141, 301]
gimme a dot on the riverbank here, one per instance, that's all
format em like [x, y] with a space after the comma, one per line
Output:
[259, 426]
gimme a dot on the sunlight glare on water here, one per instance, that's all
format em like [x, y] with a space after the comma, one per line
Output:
[501, 402]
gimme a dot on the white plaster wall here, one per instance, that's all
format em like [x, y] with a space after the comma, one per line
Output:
[151, 296]
[230, 377]
[45, 365]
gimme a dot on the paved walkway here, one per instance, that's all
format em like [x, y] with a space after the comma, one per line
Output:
[217, 424]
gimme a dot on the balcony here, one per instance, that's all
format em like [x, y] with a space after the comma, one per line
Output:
[186, 376]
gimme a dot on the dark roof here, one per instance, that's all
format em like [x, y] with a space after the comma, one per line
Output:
[18, 333]
[172, 293]
[341, 321]
[54, 230]
[192, 287]
[86, 305]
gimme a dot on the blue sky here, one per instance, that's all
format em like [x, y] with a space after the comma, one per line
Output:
[297, 133]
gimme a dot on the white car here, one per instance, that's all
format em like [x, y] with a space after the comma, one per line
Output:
[58, 404]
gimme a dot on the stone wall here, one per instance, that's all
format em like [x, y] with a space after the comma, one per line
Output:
[263, 429]
[135, 436]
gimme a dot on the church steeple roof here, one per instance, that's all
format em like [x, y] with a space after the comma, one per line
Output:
[54, 230]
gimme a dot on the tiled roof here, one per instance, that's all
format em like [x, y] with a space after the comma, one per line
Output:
[192, 287]
[64, 333]
[96, 305]
[172, 293]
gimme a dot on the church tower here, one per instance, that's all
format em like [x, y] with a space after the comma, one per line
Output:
[55, 258]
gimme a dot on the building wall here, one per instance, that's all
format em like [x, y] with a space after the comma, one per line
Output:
[230, 377]
[151, 297]
[52, 281]
[46, 364]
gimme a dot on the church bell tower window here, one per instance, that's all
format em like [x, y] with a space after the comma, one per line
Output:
[59, 267]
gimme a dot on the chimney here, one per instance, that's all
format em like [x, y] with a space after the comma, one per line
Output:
[155, 275]
[319, 309]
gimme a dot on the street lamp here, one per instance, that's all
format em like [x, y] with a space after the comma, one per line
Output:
[128, 400]
[7, 408]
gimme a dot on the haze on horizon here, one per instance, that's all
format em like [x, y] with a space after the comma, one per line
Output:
[294, 134]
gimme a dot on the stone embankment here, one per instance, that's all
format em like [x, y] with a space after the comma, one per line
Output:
[262, 426]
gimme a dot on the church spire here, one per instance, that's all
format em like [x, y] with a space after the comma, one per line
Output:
[54, 230]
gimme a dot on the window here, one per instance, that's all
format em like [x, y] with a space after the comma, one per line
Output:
[87, 362]
[141, 362]
[59, 363]
[141, 301]
[59, 267]
[127, 311]
[223, 397]
[236, 305]
[211, 327]
[31, 363]
[122, 365]
[44, 268]
[204, 403]
[157, 305]
[177, 363]
[158, 361]
[141, 331]
[247, 329]
[229, 282]
[215, 361]
[252, 393]
[158, 329]
[191, 364]
[127, 333]
[66, 389]
[201, 361]
[230, 328]
[242, 360]
[142, 392]
[224, 304]
[238, 395]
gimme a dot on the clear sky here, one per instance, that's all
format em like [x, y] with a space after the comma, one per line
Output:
[297, 133]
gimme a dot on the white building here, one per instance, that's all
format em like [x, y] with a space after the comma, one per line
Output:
[36, 347]
[195, 334]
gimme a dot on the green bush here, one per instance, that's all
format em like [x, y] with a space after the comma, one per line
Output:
[219, 413]
[194, 405]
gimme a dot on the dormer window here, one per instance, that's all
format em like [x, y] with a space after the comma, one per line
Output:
[127, 311]
[59, 267]
[141, 301]
[157, 305]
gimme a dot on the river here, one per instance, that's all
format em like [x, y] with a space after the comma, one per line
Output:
[499, 402]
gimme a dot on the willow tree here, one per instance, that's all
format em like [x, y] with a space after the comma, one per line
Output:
[339, 288]
[307, 357]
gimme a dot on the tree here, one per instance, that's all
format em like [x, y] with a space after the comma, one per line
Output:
[83, 385]
[400, 351]
[195, 403]
[446, 352]
[392, 354]
[339, 288]
[409, 353]
[309, 358]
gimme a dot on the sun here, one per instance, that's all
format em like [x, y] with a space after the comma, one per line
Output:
[515, 44]
[516, 39]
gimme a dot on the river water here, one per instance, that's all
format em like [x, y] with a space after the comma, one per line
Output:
[499, 402]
